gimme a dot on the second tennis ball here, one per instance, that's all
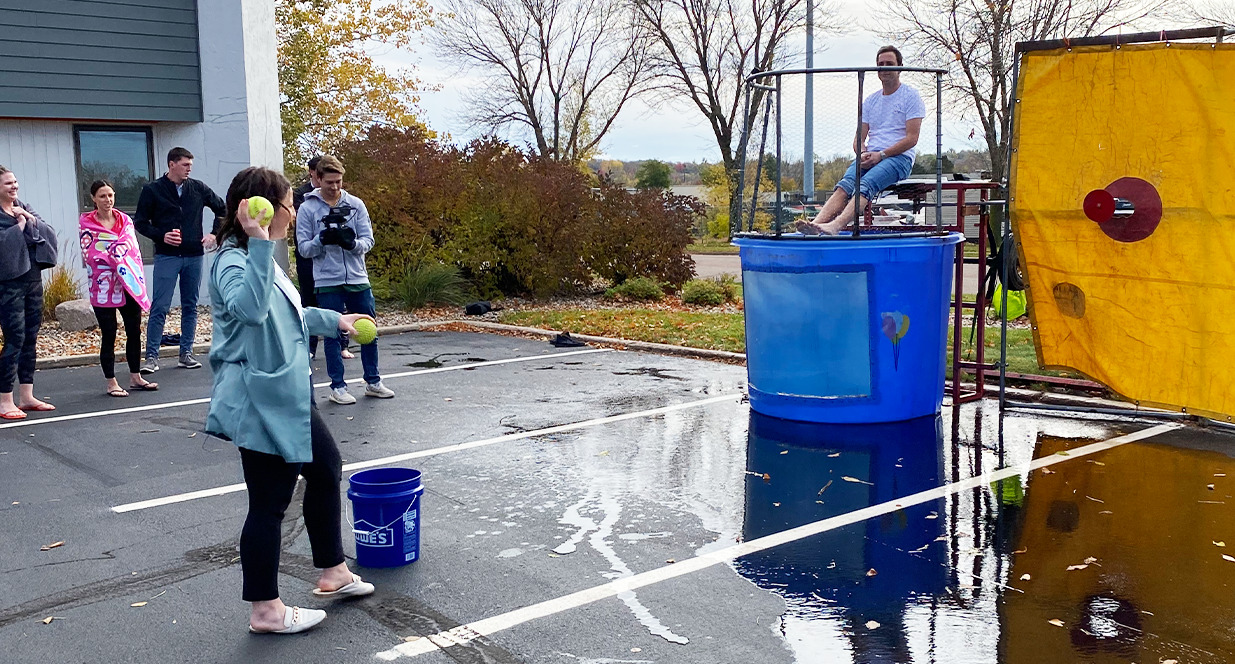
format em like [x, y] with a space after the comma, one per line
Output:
[261, 210]
[366, 331]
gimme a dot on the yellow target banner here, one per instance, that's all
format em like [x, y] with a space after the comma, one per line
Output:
[1123, 199]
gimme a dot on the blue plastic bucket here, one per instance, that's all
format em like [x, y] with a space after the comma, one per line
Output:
[828, 326]
[386, 516]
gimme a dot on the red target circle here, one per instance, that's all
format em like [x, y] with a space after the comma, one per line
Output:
[1146, 213]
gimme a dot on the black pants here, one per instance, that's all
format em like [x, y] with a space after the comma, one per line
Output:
[21, 316]
[308, 296]
[271, 481]
[131, 312]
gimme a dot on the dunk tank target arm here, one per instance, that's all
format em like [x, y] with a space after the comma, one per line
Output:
[1125, 219]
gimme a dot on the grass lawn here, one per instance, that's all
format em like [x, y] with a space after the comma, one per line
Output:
[711, 246]
[723, 331]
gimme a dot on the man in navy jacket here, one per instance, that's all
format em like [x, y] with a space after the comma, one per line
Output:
[169, 212]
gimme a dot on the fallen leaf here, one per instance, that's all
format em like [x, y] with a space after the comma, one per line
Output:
[193, 435]
[51, 546]
[825, 488]
[671, 561]
[833, 455]
[785, 452]
[636, 649]
[856, 480]
[1095, 499]
[871, 624]
[871, 572]
[1229, 559]
[1047, 471]
[1073, 568]
[410, 639]
[1063, 453]
[1106, 512]
[1096, 463]
[138, 605]
[447, 399]
[1219, 543]
[1056, 622]
[1025, 577]
[16, 503]
[149, 431]
[48, 619]
[604, 453]
[350, 418]
[767, 477]
[1024, 550]
[832, 565]
[1169, 661]
[1219, 474]
[933, 515]
[1090, 560]
[775, 504]
[1209, 486]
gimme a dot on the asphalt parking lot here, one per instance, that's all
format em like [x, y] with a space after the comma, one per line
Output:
[599, 505]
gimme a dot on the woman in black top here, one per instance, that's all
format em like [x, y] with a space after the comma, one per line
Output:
[27, 246]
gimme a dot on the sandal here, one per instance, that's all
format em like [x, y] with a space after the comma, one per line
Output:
[357, 588]
[145, 387]
[13, 415]
[40, 406]
[117, 392]
[295, 620]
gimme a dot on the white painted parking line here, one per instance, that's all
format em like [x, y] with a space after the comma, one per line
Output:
[459, 447]
[354, 381]
[489, 626]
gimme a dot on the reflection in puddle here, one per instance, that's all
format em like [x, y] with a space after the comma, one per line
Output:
[1112, 557]
[855, 579]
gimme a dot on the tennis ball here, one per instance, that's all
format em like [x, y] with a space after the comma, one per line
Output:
[366, 331]
[261, 210]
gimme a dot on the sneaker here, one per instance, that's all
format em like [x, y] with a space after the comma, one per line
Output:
[378, 390]
[340, 395]
[151, 365]
[187, 361]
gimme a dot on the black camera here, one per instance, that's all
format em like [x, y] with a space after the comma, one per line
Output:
[337, 216]
[335, 229]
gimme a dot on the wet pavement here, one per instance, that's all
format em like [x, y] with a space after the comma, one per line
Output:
[611, 506]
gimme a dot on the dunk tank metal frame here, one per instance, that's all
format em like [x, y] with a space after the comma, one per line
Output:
[769, 87]
[1216, 33]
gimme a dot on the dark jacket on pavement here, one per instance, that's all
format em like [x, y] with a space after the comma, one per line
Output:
[160, 210]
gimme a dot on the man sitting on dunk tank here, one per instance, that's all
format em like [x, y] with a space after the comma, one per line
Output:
[891, 121]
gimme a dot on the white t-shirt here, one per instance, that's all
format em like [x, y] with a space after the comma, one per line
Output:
[887, 114]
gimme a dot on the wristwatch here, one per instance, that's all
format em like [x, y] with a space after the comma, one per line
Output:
[882, 156]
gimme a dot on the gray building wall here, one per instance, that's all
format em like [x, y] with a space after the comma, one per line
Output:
[115, 60]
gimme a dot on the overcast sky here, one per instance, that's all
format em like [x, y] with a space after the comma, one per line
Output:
[676, 132]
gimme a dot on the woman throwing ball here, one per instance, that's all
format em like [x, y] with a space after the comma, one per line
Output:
[263, 402]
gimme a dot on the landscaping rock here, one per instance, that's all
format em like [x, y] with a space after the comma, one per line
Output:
[75, 315]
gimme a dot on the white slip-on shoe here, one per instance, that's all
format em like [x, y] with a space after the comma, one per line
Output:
[296, 620]
[357, 588]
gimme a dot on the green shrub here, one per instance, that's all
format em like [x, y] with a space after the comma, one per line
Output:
[703, 291]
[432, 282]
[59, 286]
[639, 288]
[729, 286]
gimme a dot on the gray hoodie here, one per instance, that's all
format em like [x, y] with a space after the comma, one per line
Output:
[25, 251]
[333, 265]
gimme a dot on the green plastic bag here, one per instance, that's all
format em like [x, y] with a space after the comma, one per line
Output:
[1016, 302]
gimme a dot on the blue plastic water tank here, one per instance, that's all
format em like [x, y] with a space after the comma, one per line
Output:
[847, 331]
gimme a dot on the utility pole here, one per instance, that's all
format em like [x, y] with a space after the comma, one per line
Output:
[808, 149]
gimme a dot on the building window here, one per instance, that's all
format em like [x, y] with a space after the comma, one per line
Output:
[123, 156]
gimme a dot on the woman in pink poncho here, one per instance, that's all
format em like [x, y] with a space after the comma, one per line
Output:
[109, 249]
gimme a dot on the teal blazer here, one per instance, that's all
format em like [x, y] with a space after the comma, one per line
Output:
[262, 380]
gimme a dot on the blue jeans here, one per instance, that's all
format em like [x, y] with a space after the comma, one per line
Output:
[358, 302]
[167, 270]
[878, 177]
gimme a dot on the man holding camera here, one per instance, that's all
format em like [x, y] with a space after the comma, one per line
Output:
[169, 211]
[333, 229]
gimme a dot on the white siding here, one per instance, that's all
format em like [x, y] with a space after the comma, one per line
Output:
[40, 153]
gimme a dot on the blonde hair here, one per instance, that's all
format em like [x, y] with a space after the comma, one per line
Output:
[329, 164]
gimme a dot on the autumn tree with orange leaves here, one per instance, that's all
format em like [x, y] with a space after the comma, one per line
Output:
[330, 88]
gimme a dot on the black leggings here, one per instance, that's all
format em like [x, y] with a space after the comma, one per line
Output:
[271, 482]
[21, 315]
[131, 312]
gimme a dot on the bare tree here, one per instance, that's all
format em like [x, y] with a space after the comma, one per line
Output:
[706, 48]
[560, 69]
[1215, 12]
[975, 39]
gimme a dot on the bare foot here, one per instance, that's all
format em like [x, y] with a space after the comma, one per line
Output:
[35, 404]
[347, 354]
[334, 578]
[807, 228]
